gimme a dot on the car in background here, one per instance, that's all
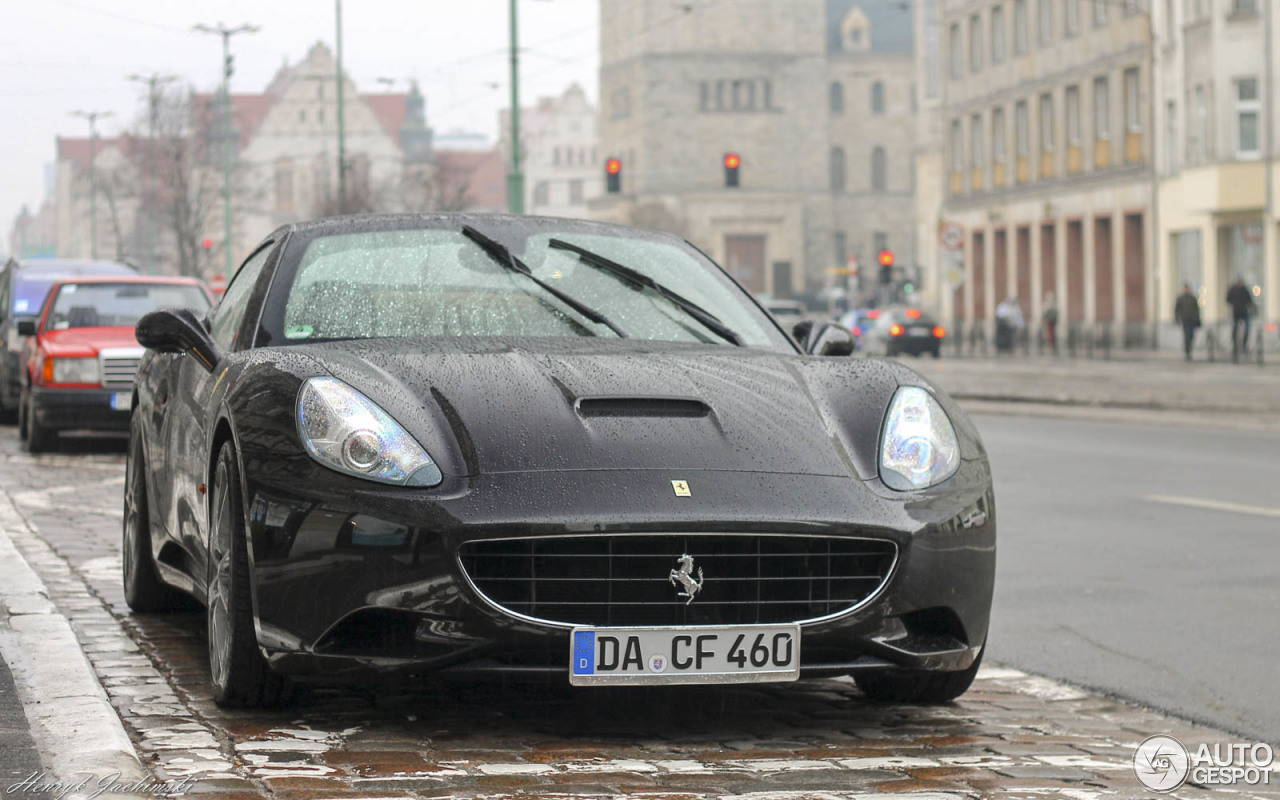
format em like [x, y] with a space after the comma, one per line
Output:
[786, 312]
[858, 321]
[24, 285]
[903, 330]
[81, 357]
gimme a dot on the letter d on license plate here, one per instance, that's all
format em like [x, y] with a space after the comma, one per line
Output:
[687, 654]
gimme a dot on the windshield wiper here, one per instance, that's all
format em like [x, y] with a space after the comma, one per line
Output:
[502, 254]
[640, 280]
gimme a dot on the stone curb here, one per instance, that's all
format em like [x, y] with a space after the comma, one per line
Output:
[74, 725]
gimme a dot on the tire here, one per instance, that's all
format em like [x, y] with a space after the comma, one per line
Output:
[144, 591]
[38, 438]
[240, 675]
[925, 688]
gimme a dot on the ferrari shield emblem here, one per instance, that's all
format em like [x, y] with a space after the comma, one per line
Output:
[681, 488]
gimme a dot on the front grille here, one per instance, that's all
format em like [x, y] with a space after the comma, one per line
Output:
[626, 579]
[120, 369]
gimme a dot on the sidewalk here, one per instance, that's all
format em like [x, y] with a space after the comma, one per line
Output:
[18, 757]
[1241, 394]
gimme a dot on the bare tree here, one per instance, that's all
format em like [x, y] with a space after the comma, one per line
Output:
[450, 184]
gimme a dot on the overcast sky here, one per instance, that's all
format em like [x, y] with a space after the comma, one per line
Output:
[57, 56]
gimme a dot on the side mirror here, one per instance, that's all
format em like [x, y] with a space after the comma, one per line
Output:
[26, 327]
[178, 330]
[823, 338]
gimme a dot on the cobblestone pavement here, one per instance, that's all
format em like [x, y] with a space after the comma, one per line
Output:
[1012, 736]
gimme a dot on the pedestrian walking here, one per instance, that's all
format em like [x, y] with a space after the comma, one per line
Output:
[1050, 319]
[1241, 302]
[1009, 324]
[1186, 311]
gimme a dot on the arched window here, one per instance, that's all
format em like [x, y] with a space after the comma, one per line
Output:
[879, 168]
[837, 97]
[541, 193]
[837, 169]
[877, 97]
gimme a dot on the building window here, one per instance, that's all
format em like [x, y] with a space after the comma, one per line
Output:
[1171, 137]
[320, 115]
[541, 193]
[1020, 26]
[1071, 17]
[1100, 12]
[957, 147]
[1022, 136]
[837, 169]
[877, 98]
[1132, 102]
[555, 157]
[1170, 22]
[932, 47]
[998, 153]
[1072, 111]
[879, 241]
[284, 185]
[1046, 123]
[879, 169]
[977, 139]
[997, 35]
[1101, 109]
[1045, 15]
[704, 96]
[1247, 109]
[575, 191]
[957, 52]
[975, 43]
[620, 103]
[1201, 150]
[302, 115]
[841, 243]
[837, 97]
[1244, 6]
[744, 95]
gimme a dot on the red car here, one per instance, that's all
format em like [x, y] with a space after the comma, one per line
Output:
[81, 356]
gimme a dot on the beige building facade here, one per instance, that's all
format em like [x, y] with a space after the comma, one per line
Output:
[1214, 102]
[813, 96]
[560, 154]
[1042, 118]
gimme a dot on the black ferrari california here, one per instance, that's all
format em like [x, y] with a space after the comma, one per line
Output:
[486, 444]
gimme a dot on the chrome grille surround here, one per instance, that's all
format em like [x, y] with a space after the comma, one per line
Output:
[118, 366]
[624, 579]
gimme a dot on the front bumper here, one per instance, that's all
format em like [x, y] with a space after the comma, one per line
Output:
[350, 577]
[79, 409]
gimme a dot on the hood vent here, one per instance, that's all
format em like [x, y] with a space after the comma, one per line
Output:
[640, 407]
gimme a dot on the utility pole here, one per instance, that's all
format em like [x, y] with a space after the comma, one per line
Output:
[1268, 216]
[228, 149]
[515, 180]
[93, 117]
[153, 81]
[342, 141]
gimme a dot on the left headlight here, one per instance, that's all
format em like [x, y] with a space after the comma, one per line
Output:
[919, 447]
[75, 370]
[348, 432]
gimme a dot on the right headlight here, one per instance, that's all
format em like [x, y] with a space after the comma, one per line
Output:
[919, 447]
[348, 432]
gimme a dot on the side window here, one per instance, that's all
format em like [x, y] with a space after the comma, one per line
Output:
[235, 301]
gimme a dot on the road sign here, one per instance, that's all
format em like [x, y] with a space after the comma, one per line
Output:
[951, 236]
[954, 272]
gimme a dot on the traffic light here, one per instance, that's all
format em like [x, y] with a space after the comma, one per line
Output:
[731, 164]
[886, 266]
[613, 175]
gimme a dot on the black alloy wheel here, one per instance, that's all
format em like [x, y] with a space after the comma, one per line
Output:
[143, 589]
[36, 438]
[240, 675]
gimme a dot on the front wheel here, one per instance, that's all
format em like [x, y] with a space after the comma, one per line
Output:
[36, 438]
[926, 688]
[240, 675]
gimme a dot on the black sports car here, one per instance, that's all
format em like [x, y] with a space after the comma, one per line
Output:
[483, 443]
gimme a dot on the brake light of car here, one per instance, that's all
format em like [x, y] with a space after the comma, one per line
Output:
[895, 329]
[855, 330]
[939, 331]
[913, 313]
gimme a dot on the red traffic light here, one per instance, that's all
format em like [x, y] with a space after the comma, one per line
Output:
[886, 258]
[732, 161]
[207, 244]
[613, 166]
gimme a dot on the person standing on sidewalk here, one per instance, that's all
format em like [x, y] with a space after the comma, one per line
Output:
[1241, 302]
[1050, 319]
[1187, 312]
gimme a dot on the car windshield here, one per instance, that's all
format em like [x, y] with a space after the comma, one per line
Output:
[435, 282]
[92, 305]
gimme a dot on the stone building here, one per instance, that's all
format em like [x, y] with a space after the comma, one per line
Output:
[560, 154]
[1039, 109]
[1215, 223]
[814, 97]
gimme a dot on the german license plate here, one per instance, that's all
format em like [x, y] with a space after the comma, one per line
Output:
[638, 656]
[120, 401]
[919, 330]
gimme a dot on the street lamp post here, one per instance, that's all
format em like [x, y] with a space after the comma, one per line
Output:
[342, 144]
[515, 181]
[93, 117]
[153, 81]
[227, 149]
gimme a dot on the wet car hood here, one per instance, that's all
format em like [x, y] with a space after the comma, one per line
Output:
[489, 406]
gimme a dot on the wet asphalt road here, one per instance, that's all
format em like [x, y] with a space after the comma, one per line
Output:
[1176, 605]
